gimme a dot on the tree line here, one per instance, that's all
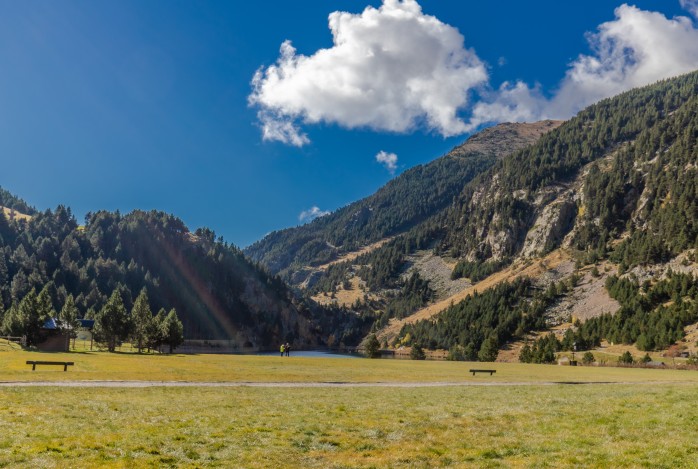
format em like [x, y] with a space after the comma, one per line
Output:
[113, 323]
[217, 292]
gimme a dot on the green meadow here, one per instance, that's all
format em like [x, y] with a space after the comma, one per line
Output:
[629, 418]
[94, 366]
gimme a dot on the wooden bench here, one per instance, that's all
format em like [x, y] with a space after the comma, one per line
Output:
[65, 365]
[491, 372]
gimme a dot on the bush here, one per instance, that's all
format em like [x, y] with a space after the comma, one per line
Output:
[417, 353]
[626, 358]
[456, 353]
[588, 358]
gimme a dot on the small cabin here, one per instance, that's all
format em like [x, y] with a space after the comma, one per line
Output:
[52, 338]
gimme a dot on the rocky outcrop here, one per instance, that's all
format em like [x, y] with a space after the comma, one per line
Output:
[554, 222]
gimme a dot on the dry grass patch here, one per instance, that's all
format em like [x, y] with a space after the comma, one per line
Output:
[350, 256]
[12, 214]
[344, 297]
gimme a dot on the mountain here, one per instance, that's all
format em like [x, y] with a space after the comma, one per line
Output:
[217, 292]
[572, 230]
[616, 191]
[404, 202]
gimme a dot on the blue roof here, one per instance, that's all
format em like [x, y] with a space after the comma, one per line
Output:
[50, 323]
[87, 323]
[53, 324]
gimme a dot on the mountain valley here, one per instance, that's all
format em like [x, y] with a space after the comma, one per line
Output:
[522, 229]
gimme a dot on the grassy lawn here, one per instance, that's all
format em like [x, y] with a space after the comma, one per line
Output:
[244, 368]
[648, 418]
[540, 426]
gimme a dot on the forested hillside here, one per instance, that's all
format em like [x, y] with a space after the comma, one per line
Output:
[216, 291]
[617, 185]
[643, 143]
[409, 199]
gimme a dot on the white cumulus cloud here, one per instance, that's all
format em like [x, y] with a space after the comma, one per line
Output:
[391, 68]
[388, 160]
[637, 48]
[311, 214]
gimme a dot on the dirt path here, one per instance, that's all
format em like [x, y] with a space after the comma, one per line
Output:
[293, 384]
[350, 256]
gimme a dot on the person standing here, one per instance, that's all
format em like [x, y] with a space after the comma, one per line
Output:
[288, 349]
[282, 349]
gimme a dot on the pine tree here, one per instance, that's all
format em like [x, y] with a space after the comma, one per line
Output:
[526, 355]
[12, 323]
[28, 314]
[626, 358]
[3, 268]
[45, 305]
[173, 330]
[112, 323]
[19, 286]
[489, 350]
[417, 353]
[155, 331]
[141, 317]
[69, 317]
[373, 347]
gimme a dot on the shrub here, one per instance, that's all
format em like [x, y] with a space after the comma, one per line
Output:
[626, 358]
[417, 353]
[588, 358]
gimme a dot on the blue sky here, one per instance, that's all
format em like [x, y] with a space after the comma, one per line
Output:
[151, 105]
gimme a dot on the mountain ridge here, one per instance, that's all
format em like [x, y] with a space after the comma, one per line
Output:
[424, 190]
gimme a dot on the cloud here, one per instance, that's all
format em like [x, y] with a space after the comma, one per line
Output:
[311, 214]
[388, 160]
[637, 48]
[281, 128]
[391, 68]
[396, 69]
[690, 6]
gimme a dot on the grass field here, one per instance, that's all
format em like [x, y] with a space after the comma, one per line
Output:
[643, 418]
[249, 368]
